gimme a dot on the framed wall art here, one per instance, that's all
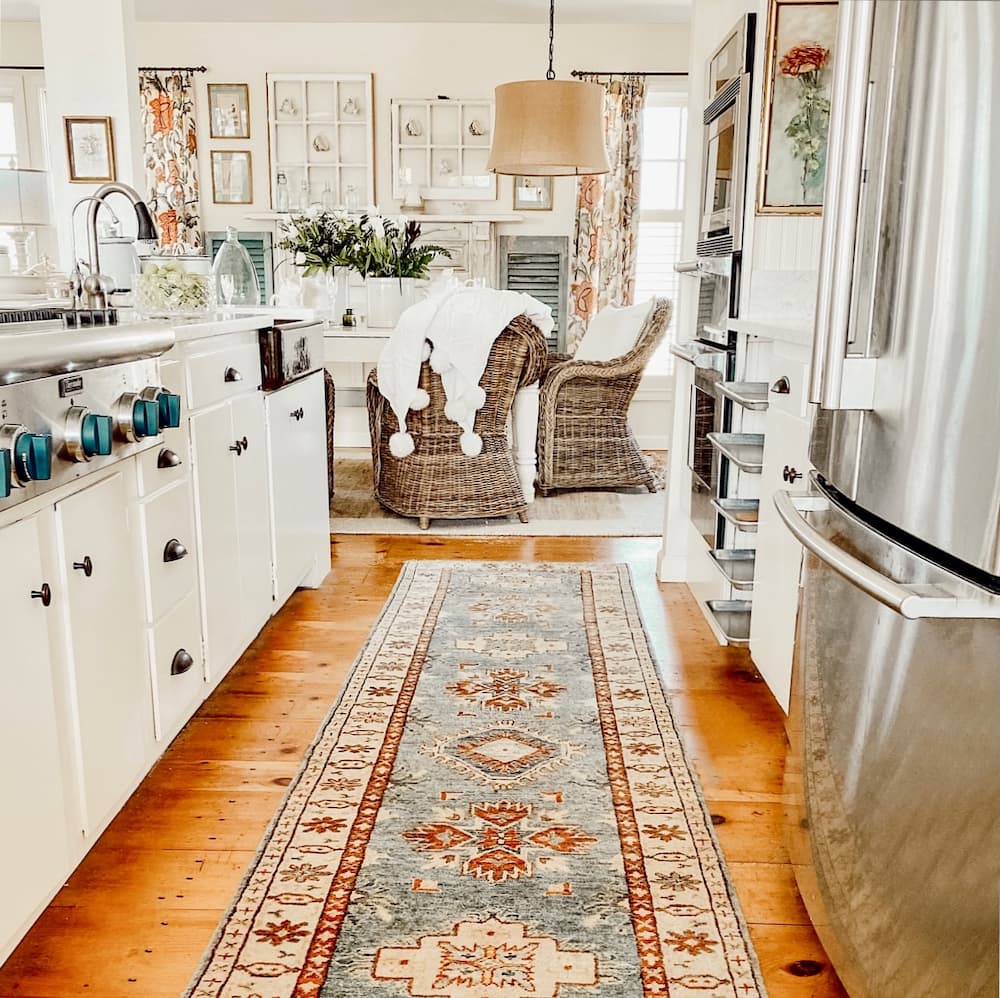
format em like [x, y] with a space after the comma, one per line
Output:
[798, 68]
[532, 193]
[90, 149]
[229, 110]
[232, 177]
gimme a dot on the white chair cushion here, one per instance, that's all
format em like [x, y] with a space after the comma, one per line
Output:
[612, 332]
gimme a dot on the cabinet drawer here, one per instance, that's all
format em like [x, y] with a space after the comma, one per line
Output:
[166, 464]
[166, 521]
[459, 256]
[178, 670]
[784, 363]
[216, 375]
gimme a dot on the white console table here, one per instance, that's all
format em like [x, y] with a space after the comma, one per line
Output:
[361, 345]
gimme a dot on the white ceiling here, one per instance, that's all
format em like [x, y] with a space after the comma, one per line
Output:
[399, 11]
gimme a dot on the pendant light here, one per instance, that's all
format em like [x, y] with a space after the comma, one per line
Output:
[550, 127]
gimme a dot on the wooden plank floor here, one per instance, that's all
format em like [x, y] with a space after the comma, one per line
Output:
[134, 918]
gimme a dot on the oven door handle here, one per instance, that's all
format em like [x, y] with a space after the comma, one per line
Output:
[688, 267]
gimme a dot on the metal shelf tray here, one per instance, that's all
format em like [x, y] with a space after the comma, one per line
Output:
[733, 618]
[749, 394]
[736, 564]
[741, 513]
[745, 450]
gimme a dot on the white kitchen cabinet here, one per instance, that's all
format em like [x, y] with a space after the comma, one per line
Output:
[35, 849]
[232, 514]
[779, 555]
[300, 512]
[108, 668]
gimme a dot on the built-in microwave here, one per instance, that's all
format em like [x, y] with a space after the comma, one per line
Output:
[727, 119]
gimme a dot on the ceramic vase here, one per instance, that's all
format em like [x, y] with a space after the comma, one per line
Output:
[387, 298]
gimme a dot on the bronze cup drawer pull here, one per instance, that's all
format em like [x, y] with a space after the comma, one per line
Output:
[181, 663]
[232, 375]
[167, 459]
[174, 550]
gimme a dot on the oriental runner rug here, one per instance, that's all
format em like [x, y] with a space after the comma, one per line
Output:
[499, 806]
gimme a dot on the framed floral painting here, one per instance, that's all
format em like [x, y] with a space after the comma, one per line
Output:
[801, 38]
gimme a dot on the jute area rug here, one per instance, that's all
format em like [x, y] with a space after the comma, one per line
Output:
[498, 807]
[592, 513]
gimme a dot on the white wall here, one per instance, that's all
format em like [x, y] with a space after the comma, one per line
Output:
[20, 43]
[408, 60]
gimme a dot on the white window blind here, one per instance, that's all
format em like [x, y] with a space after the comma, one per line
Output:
[661, 204]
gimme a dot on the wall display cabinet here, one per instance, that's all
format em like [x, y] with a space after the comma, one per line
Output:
[320, 141]
[440, 147]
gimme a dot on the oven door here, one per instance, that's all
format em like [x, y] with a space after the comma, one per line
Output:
[715, 297]
[703, 459]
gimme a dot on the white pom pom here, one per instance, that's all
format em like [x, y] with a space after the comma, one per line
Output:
[420, 400]
[425, 351]
[401, 445]
[440, 362]
[477, 398]
[472, 444]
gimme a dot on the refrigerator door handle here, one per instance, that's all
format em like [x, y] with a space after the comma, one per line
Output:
[836, 380]
[909, 600]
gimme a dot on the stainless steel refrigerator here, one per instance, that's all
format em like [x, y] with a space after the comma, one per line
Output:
[893, 781]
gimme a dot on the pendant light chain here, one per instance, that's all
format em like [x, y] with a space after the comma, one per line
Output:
[551, 74]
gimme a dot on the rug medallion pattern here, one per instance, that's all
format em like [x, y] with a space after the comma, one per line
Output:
[498, 807]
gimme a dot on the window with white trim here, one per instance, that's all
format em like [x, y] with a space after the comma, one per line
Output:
[661, 203]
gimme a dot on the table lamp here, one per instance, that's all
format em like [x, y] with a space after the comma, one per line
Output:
[24, 204]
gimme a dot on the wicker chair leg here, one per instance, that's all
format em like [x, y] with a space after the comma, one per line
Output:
[424, 522]
[651, 486]
[522, 515]
[544, 492]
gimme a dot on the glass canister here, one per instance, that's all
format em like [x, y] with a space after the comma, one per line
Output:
[234, 274]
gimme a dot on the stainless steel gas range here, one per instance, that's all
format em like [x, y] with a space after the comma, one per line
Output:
[75, 401]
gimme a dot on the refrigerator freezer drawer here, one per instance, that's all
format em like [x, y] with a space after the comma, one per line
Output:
[892, 789]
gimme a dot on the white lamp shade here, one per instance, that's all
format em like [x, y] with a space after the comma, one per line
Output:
[24, 197]
[549, 128]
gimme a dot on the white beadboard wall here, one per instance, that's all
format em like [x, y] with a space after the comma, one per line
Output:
[784, 264]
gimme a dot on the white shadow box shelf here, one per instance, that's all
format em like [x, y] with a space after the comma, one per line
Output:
[441, 148]
[320, 131]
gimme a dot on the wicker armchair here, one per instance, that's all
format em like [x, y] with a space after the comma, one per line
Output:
[437, 480]
[584, 440]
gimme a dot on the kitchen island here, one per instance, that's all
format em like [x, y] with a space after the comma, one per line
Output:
[148, 537]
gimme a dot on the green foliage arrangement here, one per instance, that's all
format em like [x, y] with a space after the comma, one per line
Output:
[387, 249]
[321, 241]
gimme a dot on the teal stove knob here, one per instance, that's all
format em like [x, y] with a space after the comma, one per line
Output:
[33, 457]
[5, 474]
[145, 418]
[170, 410]
[95, 434]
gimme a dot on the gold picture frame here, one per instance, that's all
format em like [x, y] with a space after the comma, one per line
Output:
[798, 72]
[229, 110]
[232, 176]
[90, 150]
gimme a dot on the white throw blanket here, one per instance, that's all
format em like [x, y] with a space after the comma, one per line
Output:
[456, 330]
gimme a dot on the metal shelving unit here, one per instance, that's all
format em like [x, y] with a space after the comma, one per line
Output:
[736, 565]
[748, 394]
[741, 513]
[745, 450]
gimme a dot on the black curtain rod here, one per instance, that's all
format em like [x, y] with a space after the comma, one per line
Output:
[173, 69]
[621, 72]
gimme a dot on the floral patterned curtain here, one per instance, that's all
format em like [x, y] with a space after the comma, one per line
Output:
[171, 156]
[607, 212]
